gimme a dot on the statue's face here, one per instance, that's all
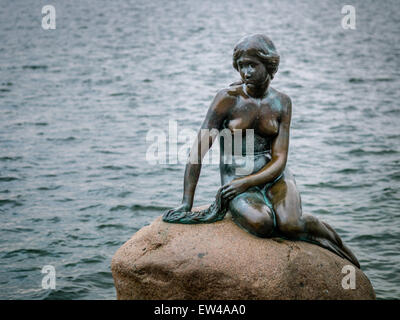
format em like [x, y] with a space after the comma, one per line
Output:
[252, 70]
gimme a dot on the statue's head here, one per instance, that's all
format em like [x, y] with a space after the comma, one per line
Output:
[261, 47]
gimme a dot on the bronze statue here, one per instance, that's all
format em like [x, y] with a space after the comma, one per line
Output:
[266, 201]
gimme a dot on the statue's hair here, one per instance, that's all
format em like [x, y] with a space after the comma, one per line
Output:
[261, 47]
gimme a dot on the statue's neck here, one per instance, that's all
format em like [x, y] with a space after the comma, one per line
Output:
[259, 91]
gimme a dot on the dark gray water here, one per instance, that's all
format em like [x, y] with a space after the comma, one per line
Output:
[77, 102]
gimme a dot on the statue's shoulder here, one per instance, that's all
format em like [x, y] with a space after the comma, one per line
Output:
[284, 100]
[234, 90]
[229, 93]
[225, 99]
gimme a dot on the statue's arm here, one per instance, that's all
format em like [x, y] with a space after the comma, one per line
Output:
[279, 150]
[205, 138]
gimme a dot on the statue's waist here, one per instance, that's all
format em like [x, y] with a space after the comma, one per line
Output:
[247, 164]
[247, 153]
[255, 146]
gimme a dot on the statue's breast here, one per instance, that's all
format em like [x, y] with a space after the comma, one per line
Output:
[238, 123]
[268, 120]
[264, 119]
[242, 117]
[268, 127]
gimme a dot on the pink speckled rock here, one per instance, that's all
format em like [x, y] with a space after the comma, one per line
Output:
[222, 261]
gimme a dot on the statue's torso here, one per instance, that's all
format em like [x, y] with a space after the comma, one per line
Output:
[260, 115]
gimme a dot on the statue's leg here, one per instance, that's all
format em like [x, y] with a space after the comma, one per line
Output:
[286, 202]
[250, 212]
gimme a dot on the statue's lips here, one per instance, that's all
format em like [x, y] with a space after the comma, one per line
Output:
[253, 83]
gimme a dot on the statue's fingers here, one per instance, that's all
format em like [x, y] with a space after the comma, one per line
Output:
[171, 212]
[232, 196]
[168, 213]
[224, 187]
[224, 193]
[227, 189]
[230, 193]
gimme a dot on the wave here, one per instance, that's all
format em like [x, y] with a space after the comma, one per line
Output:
[7, 179]
[71, 138]
[112, 167]
[4, 202]
[138, 207]
[89, 207]
[117, 226]
[335, 185]
[27, 252]
[48, 188]
[9, 158]
[361, 151]
[360, 80]
[35, 67]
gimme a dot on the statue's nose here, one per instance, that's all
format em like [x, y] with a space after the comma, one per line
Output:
[247, 74]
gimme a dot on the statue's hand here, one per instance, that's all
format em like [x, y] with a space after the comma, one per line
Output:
[234, 188]
[181, 209]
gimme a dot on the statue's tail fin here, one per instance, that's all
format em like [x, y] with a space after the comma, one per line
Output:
[339, 247]
[343, 252]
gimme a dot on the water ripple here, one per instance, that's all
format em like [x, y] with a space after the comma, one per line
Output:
[78, 103]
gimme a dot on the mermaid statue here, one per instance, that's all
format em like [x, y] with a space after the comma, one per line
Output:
[262, 196]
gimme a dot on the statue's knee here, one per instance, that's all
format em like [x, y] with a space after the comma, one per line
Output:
[255, 220]
[262, 226]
